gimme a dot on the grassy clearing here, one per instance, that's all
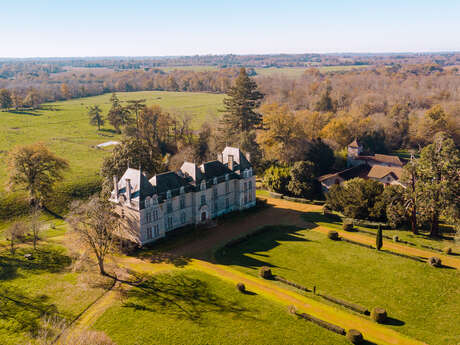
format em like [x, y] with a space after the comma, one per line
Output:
[294, 72]
[46, 285]
[410, 291]
[192, 307]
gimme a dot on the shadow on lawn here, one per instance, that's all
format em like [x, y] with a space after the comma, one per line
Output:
[180, 296]
[263, 242]
[44, 259]
[25, 112]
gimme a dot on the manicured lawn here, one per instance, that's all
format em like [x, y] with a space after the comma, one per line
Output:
[423, 301]
[29, 289]
[191, 307]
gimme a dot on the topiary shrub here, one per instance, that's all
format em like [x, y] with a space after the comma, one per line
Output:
[241, 287]
[292, 309]
[347, 225]
[265, 272]
[395, 238]
[435, 261]
[333, 235]
[448, 250]
[379, 315]
[355, 336]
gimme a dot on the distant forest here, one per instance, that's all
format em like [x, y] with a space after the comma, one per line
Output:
[397, 99]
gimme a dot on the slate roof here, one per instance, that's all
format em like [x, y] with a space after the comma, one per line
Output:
[382, 159]
[214, 169]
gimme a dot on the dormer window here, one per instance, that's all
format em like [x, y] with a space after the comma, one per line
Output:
[168, 194]
[203, 185]
[182, 190]
[227, 177]
[249, 172]
[147, 201]
[214, 180]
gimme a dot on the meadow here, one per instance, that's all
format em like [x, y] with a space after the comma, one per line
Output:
[64, 127]
[422, 301]
[191, 307]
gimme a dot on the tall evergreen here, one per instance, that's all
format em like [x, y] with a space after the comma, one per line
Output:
[379, 238]
[239, 107]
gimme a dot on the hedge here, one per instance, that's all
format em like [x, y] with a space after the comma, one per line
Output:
[355, 307]
[294, 199]
[285, 281]
[324, 324]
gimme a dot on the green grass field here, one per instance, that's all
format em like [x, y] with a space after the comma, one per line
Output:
[190, 307]
[423, 301]
[67, 132]
[29, 289]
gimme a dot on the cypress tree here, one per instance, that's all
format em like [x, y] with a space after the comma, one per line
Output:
[379, 239]
[239, 107]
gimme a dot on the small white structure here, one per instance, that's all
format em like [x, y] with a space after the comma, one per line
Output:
[192, 195]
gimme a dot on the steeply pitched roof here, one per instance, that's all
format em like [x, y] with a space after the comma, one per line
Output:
[347, 174]
[238, 157]
[167, 181]
[140, 185]
[354, 144]
[214, 169]
[379, 171]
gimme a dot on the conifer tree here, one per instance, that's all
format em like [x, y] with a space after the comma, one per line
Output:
[239, 107]
[379, 238]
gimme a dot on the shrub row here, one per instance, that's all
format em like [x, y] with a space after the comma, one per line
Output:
[324, 324]
[293, 199]
[369, 224]
[358, 243]
[355, 307]
[432, 248]
[285, 281]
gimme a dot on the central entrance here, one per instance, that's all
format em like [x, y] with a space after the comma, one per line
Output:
[203, 216]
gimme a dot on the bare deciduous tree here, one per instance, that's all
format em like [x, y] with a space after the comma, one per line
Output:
[14, 233]
[35, 225]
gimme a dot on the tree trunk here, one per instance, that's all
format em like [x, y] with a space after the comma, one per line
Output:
[413, 221]
[434, 228]
[101, 266]
[35, 242]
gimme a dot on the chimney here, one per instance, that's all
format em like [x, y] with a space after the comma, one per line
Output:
[128, 190]
[248, 157]
[220, 157]
[231, 163]
[115, 186]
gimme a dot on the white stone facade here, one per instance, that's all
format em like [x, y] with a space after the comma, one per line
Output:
[193, 195]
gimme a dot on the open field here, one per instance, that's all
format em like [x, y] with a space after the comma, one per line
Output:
[64, 127]
[298, 71]
[45, 285]
[410, 291]
[197, 308]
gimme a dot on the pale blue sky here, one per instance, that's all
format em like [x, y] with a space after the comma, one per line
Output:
[146, 28]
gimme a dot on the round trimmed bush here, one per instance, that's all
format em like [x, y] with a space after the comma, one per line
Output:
[395, 238]
[241, 287]
[379, 315]
[265, 272]
[448, 250]
[355, 336]
[435, 261]
[292, 309]
[347, 225]
[333, 235]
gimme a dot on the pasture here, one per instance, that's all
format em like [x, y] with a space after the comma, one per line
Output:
[421, 300]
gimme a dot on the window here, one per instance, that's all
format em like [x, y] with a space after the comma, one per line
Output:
[169, 207]
[182, 218]
[182, 190]
[148, 217]
[214, 192]
[203, 199]
[250, 196]
[203, 185]
[215, 206]
[170, 222]
[227, 203]
[149, 233]
[250, 185]
[168, 194]
[155, 215]
[214, 180]
[227, 187]
[156, 230]
[245, 186]
[227, 176]
[182, 202]
[245, 198]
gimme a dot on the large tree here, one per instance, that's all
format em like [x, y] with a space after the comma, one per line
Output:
[95, 116]
[135, 106]
[35, 169]
[303, 183]
[118, 115]
[6, 101]
[239, 114]
[438, 184]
